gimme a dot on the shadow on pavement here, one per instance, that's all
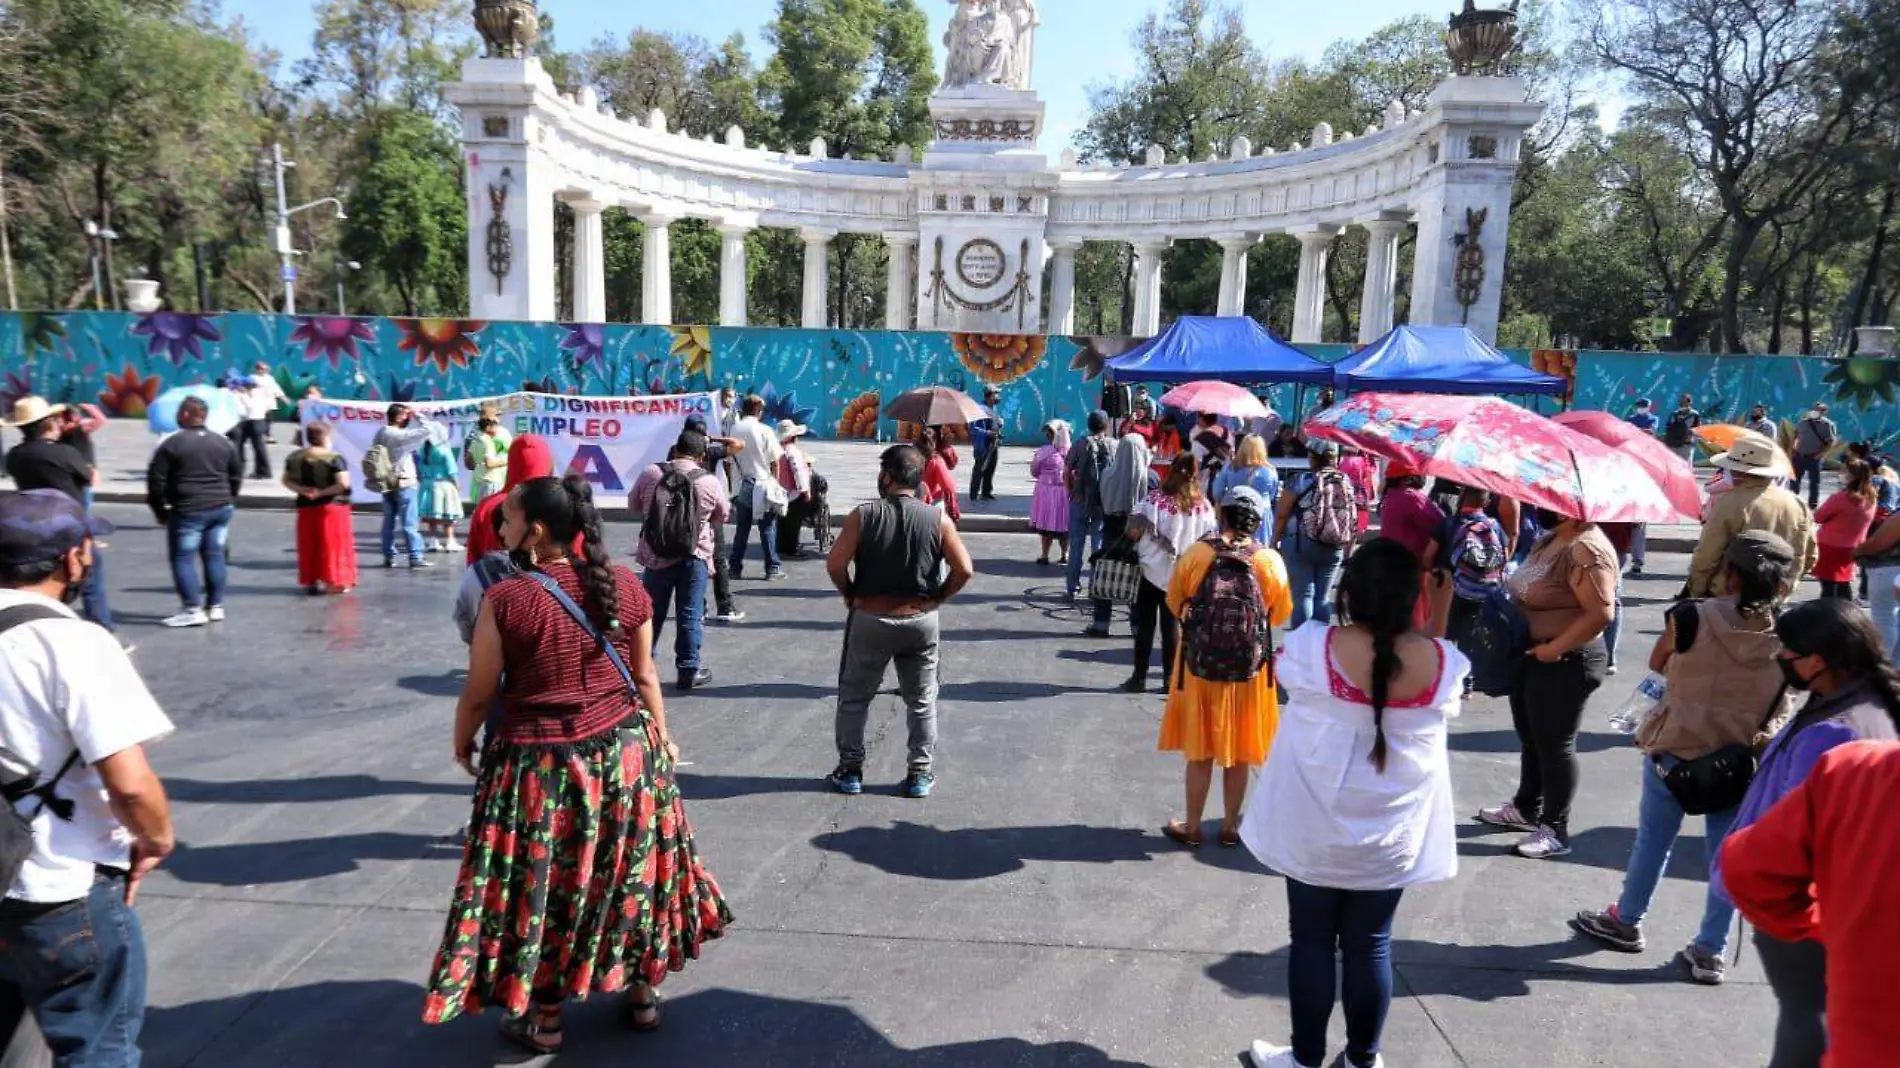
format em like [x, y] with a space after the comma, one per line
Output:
[1505, 740]
[916, 851]
[1596, 847]
[1469, 973]
[791, 691]
[449, 685]
[379, 1021]
[257, 863]
[725, 787]
[315, 788]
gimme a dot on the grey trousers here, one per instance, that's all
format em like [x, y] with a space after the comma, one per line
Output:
[872, 643]
[1797, 972]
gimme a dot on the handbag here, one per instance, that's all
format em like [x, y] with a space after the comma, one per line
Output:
[1115, 573]
[16, 828]
[1716, 782]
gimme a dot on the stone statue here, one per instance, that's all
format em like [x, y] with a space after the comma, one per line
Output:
[990, 42]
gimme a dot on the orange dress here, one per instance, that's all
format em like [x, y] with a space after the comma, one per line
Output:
[1230, 723]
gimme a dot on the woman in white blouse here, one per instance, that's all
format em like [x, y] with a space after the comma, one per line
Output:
[1354, 804]
[1172, 518]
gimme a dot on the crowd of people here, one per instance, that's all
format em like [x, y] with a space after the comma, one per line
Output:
[1296, 641]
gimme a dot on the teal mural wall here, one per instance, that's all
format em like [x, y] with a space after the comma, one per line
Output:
[833, 380]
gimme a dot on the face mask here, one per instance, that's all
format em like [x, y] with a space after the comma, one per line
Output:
[1548, 519]
[523, 558]
[1791, 675]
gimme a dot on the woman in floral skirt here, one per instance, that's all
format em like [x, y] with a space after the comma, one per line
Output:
[580, 873]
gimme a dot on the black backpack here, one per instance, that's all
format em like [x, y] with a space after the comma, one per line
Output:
[674, 516]
[1679, 431]
[16, 828]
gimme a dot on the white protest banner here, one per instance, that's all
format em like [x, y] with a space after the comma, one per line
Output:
[610, 440]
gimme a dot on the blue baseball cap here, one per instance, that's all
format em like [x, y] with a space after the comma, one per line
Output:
[41, 525]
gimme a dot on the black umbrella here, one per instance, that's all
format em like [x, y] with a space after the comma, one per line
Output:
[935, 406]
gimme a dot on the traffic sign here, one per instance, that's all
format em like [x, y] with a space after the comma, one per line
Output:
[288, 272]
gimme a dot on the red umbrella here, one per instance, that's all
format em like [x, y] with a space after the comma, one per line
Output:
[1498, 446]
[1670, 472]
[1220, 398]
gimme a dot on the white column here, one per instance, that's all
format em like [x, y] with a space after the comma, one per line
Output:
[817, 276]
[898, 282]
[1062, 284]
[1382, 278]
[656, 263]
[1233, 272]
[590, 274]
[1309, 299]
[1148, 287]
[732, 274]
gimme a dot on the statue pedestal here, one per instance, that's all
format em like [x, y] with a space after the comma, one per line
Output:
[982, 199]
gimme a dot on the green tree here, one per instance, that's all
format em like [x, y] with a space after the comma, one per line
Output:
[408, 216]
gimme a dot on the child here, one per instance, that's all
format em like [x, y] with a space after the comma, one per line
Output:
[441, 503]
[1843, 521]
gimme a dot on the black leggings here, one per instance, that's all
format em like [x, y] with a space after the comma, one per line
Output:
[1151, 606]
[1840, 590]
[1797, 972]
[1547, 711]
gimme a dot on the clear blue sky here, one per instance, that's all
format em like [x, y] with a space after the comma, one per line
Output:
[1081, 42]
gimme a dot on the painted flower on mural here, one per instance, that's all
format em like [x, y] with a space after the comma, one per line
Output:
[14, 386]
[693, 346]
[1863, 380]
[294, 387]
[445, 342]
[999, 358]
[128, 394]
[176, 335]
[1559, 362]
[1091, 353]
[784, 407]
[585, 343]
[393, 389]
[40, 332]
[859, 422]
[331, 337]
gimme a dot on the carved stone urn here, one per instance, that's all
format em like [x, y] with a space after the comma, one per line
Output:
[508, 27]
[1480, 41]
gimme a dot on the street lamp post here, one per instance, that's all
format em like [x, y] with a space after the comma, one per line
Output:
[96, 237]
[289, 269]
[342, 266]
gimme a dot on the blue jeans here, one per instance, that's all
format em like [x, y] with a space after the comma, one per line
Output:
[404, 507]
[1882, 604]
[205, 535]
[79, 968]
[742, 531]
[1809, 468]
[1658, 821]
[1311, 571]
[1084, 529]
[1615, 629]
[93, 593]
[684, 585]
[1355, 925]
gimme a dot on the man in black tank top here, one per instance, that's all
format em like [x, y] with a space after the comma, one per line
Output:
[895, 562]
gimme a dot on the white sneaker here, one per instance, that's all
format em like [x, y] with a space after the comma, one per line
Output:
[451, 546]
[216, 614]
[190, 617]
[430, 545]
[1542, 844]
[1266, 1055]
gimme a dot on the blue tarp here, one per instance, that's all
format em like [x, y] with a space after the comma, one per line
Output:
[1438, 359]
[1225, 349]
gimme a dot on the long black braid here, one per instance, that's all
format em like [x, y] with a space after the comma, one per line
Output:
[595, 568]
[1846, 638]
[565, 507]
[1379, 591]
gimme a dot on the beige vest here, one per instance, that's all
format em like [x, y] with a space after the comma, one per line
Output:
[1720, 690]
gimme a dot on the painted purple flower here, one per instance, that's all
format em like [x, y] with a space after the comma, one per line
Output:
[176, 334]
[13, 387]
[587, 342]
[331, 337]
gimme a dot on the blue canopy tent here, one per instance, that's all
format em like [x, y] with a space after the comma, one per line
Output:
[1438, 359]
[1226, 349]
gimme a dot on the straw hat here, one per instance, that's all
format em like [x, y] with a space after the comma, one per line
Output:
[30, 409]
[789, 429]
[1751, 454]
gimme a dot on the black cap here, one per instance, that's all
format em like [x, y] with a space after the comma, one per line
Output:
[41, 525]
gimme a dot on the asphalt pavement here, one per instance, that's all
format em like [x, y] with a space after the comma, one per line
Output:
[1028, 914]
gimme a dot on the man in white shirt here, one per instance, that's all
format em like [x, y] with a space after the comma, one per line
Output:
[258, 396]
[758, 480]
[74, 722]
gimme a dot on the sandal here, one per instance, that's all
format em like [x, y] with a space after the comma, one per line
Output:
[533, 1032]
[645, 1015]
[1229, 839]
[1175, 831]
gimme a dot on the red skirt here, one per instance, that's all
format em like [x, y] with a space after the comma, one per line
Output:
[326, 546]
[1836, 564]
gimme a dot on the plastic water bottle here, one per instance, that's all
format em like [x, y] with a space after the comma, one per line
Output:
[1641, 704]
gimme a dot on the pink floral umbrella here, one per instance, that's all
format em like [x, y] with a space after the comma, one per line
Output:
[1498, 446]
[1220, 398]
[1670, 472]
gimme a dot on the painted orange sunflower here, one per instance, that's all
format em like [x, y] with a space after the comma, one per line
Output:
[128, 394]
[999, 358]
[859, 422]
[1559, 362]
[445, 342]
